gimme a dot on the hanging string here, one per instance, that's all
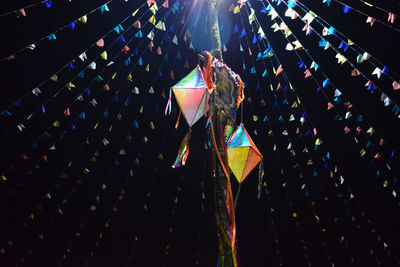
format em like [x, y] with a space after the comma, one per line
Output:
[25, 7]
[54, 32]
[65, 66]
[93, 80]
[317, 19]
[301, 105]
[110, 102]
[377, 7]
[145, 98]
[366, 15]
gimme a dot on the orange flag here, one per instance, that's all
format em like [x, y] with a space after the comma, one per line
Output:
[307, 73]
[355, 72]
[165, 4]
[100, 43]
[137, 24]
[279, 70]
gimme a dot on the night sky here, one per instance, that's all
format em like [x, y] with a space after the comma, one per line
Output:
[86, 149]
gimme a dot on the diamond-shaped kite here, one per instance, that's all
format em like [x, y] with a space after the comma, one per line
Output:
[192, 96]
[243, 154]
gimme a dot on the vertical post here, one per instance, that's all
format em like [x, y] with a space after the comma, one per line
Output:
[214, 29]
[223, 220]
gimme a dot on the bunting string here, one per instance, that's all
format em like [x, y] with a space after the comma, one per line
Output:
[52, 35]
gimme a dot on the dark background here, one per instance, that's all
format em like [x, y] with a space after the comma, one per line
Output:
[131, 208]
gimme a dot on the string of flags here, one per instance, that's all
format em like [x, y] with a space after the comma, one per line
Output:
[69, 85]
[8, 112]
[285, 133]
[22, 11]
[302, 187]
[242, 35]
[357, 119]
[52, 36]
[105, 142]
[391, 17]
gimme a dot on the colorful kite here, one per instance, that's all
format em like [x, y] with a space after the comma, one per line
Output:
[192, 96]
[243, 154]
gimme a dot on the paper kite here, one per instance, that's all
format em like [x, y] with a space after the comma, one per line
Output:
[192, 96]
[243, 154]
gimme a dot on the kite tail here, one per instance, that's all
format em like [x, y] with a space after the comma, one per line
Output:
[183, 151]
[260, 178]
[169, 104]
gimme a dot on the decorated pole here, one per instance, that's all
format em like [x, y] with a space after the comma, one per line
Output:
[216, 91]
[224, 220]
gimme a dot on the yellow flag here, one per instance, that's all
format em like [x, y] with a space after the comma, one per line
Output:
[115, 74]
[318, 142]
[147, 68]
[350, 42]
[83, 19]
[236, 10]
[154, 9]
[135, 12]
[3, 178]
[141, 109]
[297, 45]
[129, 78]
[251, 18]
[70, 86]
[368, 4]
[56, 124]
[152, 20]
[288, 32]
[54, 78]
[104, 55]
[385, 184]
[275, 26]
